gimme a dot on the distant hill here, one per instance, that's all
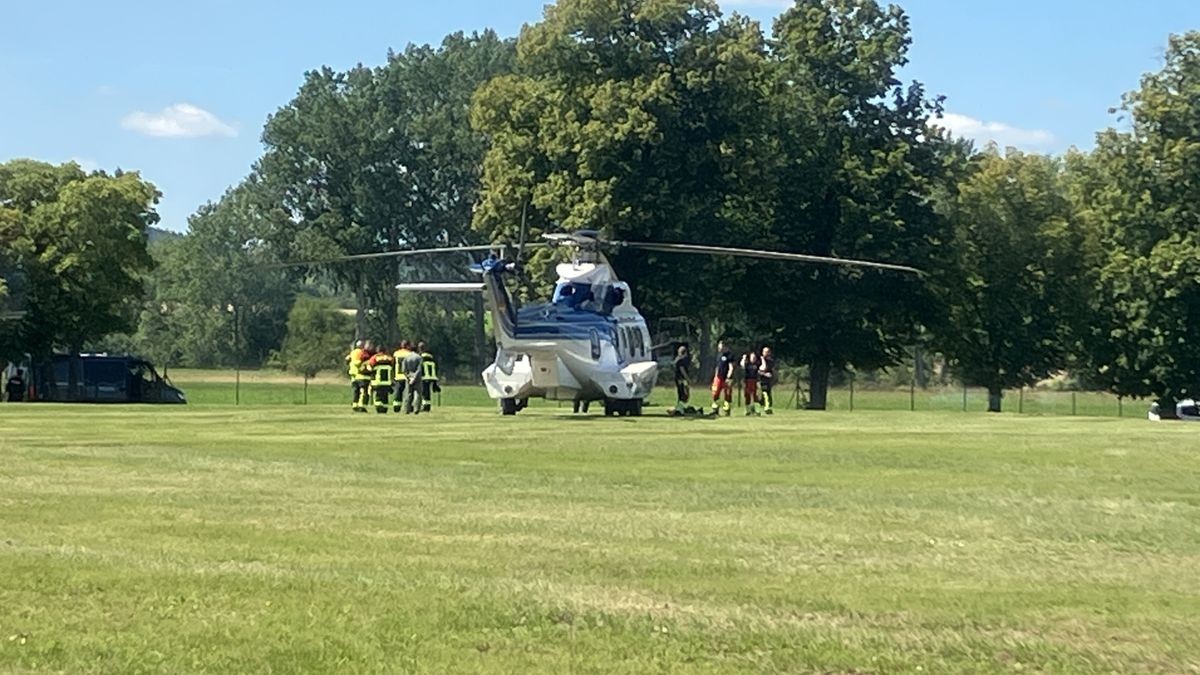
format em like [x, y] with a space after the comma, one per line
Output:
[159, 234]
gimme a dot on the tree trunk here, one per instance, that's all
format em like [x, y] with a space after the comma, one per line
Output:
[818, 383]
[995, 399]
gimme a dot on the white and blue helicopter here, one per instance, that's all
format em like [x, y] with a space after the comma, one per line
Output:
[589, 343]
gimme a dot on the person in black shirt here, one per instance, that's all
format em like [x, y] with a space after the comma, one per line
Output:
[750, 367]
[723, 380]
[683, 389]
[766, 379]
[15, 388]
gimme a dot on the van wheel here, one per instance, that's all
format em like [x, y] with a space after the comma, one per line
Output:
[508, 406]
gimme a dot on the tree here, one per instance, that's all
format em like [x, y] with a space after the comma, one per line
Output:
[80, 241]
[1015, 300]
[381, 159]
[224, 290]
[317, 337]
[861, 163]
[643, 119]
[1138, 192]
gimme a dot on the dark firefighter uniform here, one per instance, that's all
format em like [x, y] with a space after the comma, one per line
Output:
[383, 378]
[359, 378]
[766, 381]
[429, 380]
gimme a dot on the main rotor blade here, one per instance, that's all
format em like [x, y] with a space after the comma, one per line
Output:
[697, 249]
[386, 254]
[441, 287]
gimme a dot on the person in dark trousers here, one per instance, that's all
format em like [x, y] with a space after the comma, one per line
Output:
[15, 387]
[383, 377]
[722, 384]
[402, 352]
[429, 376]
[411, 367]
[766, 380]
[683, 387]
[750, 366]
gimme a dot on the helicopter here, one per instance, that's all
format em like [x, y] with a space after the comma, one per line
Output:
[588, 343]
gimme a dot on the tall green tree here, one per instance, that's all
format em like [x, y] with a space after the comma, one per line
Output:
[861, 165]
[1019, 289]
[1139, 191]
[80, 241]
[382, 159]
[233, 303]
[643, 119]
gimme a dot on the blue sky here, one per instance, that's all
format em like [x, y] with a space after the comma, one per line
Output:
[180, 91]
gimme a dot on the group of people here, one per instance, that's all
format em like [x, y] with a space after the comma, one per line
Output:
[758, 380]
[406, 376]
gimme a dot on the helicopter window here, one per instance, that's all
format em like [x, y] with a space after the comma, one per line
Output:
[572, 294]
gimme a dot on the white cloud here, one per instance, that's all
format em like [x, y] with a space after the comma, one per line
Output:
[182, 120]
[1003, 135]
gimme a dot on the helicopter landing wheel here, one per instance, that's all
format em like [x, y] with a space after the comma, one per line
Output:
[623, 408]
[508, 406]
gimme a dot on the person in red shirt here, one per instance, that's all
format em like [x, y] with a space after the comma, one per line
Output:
[750, 368]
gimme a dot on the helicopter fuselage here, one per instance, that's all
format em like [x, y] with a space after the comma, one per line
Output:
[589, 343]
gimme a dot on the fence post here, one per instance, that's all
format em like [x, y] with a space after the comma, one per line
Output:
[852, 391]
[1120, 406]
[1074, 404]
[964, 397]
[912, 394]
[1021, 401]
[306, 389]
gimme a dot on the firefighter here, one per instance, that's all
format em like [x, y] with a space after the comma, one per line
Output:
[402, 352]
[355, 362]
[429, 376]
[383, 377]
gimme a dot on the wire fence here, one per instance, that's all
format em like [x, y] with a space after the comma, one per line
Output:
[259, 388]
[1036, 401]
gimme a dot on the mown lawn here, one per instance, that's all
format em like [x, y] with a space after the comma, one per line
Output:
[289, 539]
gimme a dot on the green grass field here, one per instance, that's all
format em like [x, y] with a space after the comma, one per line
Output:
[289, 539]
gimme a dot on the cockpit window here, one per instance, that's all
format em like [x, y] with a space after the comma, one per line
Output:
[573, 295]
